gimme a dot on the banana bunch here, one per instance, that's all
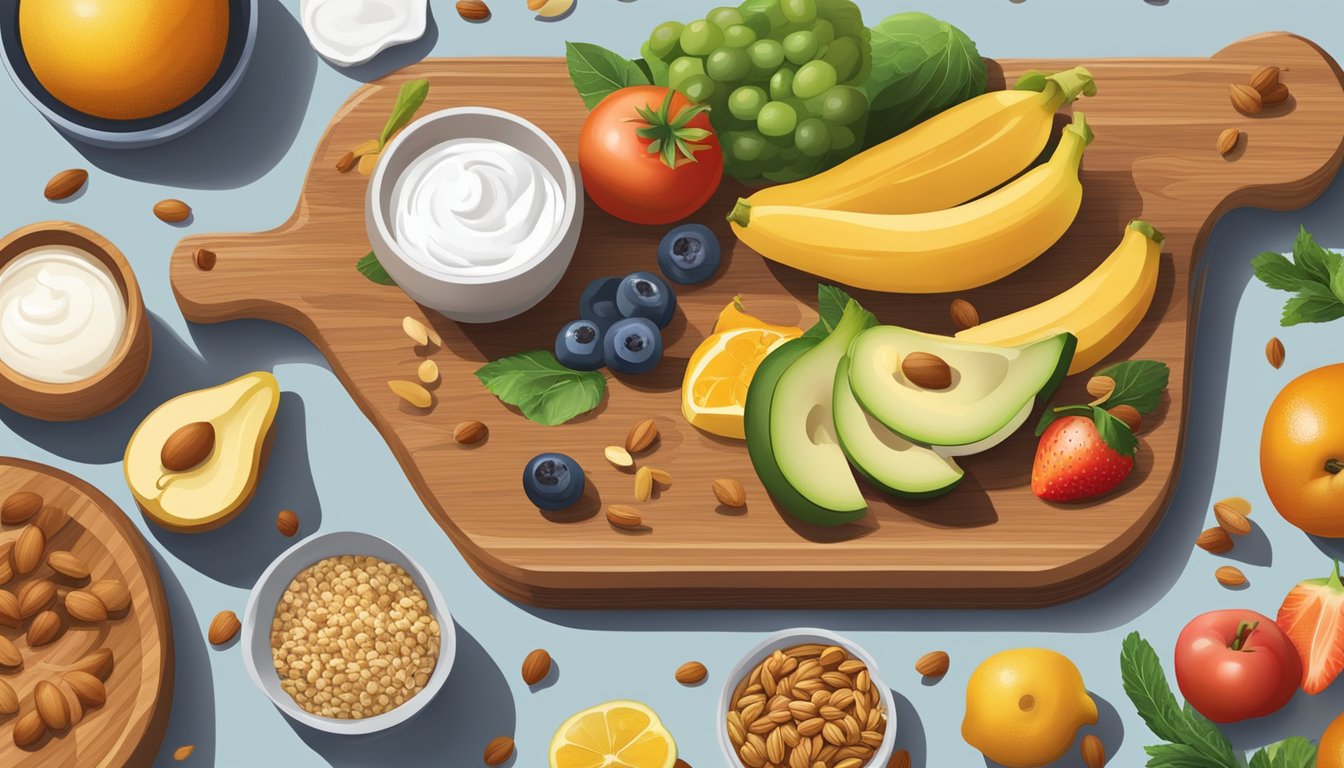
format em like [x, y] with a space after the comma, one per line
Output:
[896, 218]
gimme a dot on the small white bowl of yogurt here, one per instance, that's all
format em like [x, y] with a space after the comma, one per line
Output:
[74, 335]
[351, 32]
[474, 212]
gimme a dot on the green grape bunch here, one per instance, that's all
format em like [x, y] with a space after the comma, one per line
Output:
[782, 78]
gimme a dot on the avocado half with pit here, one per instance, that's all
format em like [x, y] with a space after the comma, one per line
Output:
[991, 393]
[791, 430]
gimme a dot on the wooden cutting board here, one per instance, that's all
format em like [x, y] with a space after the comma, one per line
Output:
[990, 543]
[128, 728]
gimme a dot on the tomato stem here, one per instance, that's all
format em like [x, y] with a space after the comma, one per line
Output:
[1244, 630]
[673, 139]
[1334, 466]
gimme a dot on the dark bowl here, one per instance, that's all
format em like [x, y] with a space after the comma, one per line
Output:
[145, 131]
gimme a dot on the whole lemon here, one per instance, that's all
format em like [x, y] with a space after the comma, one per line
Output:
[1024, 707]
[1330, 753]
[123, 59]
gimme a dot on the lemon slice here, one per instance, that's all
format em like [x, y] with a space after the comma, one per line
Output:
[618, 734]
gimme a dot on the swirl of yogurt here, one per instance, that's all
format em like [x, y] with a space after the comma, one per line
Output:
[476, 208]
[62, 315]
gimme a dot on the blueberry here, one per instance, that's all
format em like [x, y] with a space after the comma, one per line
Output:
[598, 302]
[553, 481]
[579, 346]
[646, 295]
[689, 254]
[634, 345]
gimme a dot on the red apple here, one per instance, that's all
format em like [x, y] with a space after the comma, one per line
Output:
[1236, 665]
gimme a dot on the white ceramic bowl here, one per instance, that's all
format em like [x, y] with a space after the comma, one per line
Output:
[787, 639]
[473, 299]
[261, 610]
[414, 30]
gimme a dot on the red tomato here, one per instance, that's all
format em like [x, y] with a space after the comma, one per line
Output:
[1236, 665]
[628, 180]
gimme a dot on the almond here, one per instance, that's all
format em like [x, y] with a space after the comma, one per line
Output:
[20, 506]
[287, 523]
[1215, 540]
[899, 759]
[83, 605]
[691, 673]
[1265, 78]
[1129, 415]
[470, 432]
[926, 370]
[224, 627]
[9, 653]
[1228, 140]
[204, 259]
[1230, 576]
[28, 549]
[6, 565]
[66, 183]
[10, 613]
[618, 457]
[172, 211]
[9, 700]
[474, 10]
[1235, 504]
[1094, 754]
[28, 729]
[661, 476]
[368, 163]
[1245, 98]
[642, 436]
[51, 706]
[643, 484]
[428, 372]
[1275, 353]
[68, 564]
[964, 314]
[499, 750]
[182, 753]
[72, 703]
[933, 664]
[730, 493]
[1231, 520]
[536, 666]
[187, 447]
[114, 595]
[623, 516]
[88, 689]
[347, 162]
[35, 596]
[1100, 388]
[44, 629]
[412, 393]
[416, 330]
[1276, 95]
[98, 664]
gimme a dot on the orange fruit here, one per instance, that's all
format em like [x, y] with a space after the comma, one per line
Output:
[1330, 752]
[714, 390]
[1302, 452]
[618, 734]
[124, 59]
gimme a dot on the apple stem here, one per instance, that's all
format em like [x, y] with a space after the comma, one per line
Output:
[1244, 630]
[1334, 466]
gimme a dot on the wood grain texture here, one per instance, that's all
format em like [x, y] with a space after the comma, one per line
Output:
[990, 544]
[128, 728]
[122, 375]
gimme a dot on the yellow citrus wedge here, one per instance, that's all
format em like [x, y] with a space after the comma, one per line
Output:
[714, 391]
[618, 734]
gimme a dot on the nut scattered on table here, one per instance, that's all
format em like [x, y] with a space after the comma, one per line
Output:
[643, 484]
[347, 162]
[536, 666]
[1100, 388]
[549, 9]
[899, 759]
[623, 516]
[964, 314]
[204, 259]
[428, 372]
[499, 750]
[730, 493]
[1228, 140]
[642, 436]
[473, 10]
[1129, 415]
[183, 752]
[1231, 520]
[1215, 541]
[470, 432]
[933, 664]
[1275, 353]
[1264, 78]
[1246, 99]
[1094, 754]
[1275, 96]
[1230, 576]
[287, 523]
[65, 184]
[224, 627]
[618, 457]
[412, 393]
[691, 673]
[20, 506]
[172, 211]
[415, 330]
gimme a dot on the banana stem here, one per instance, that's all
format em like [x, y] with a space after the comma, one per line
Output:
[1061, 87]
[741, 213]
[1075, 140]
[1148, 231]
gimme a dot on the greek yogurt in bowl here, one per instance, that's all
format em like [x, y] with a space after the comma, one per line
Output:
[351, 32]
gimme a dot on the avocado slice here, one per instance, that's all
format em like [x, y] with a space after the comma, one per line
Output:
[990, 385]
[791, 431]
[886, 459]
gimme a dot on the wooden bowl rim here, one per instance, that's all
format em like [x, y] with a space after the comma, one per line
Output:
[67, 233]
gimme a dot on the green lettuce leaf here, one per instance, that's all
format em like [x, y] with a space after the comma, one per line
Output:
[541, 388]
[921, 66]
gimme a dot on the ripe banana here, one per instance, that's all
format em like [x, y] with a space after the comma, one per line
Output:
[948, 250]
[948, 159]
[1102, 310]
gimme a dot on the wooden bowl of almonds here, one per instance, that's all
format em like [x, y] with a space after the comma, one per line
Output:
[806, 697]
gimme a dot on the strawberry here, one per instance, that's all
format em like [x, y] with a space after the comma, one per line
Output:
[1312, 615]
[1074, 462]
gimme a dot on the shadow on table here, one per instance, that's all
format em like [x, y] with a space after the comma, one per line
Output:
[250, 133]
[1109, 728]
[193, 716]
[474, 707]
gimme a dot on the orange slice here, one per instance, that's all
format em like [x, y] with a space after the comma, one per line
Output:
[618, 734]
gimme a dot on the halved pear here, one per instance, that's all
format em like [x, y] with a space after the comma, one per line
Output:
[210, 493]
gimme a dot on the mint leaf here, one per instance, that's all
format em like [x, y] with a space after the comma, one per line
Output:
[831, 303]
[597, 72]
[1277, 272]
[1295, 752]
[1314, 303]
[409, 100]
[1312, 258]
[1180, 756]
[370, 267]
[541, 388]
[1202, 734]
[1337, 281]
[1138, 383]
[1260, 760]
[1114, 432]
[1195, 742]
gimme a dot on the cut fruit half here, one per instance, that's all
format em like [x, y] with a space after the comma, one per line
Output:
[618, 734]
[714, 390]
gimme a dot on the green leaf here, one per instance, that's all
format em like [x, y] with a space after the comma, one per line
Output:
[409, 100]
[1314, 303]
[1052, 415]
[921, 66]
[1139, 383]
[1312, 258]
[544, 390]
[1114, 432]
[1277, 272]
[597, 72]
[1181, 756]
[1295, 752]
[1195, 742]
[1337, 281]
[1202, 734]
[653, 67]
[831, 303]
[1261, 760]
[370, 267]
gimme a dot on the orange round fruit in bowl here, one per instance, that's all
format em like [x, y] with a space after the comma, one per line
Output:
[1302, 452]
[123, 59]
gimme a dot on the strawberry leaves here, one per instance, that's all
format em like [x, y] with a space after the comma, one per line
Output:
[1138, 384]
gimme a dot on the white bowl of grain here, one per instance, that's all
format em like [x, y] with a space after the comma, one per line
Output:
[816, 641]
[371, 567]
